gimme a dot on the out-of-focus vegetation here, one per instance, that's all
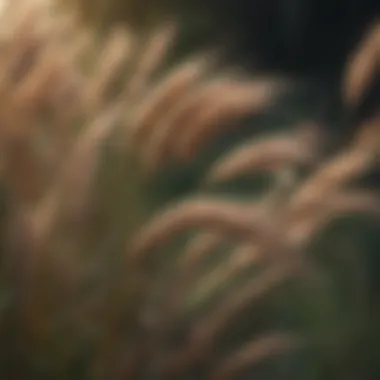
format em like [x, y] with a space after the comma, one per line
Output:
[167, 216]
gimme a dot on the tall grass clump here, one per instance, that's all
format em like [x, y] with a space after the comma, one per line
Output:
[104, 275]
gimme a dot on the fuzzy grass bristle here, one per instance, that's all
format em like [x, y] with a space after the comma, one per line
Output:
[90, 287]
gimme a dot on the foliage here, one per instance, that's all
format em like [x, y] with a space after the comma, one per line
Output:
[171, 219]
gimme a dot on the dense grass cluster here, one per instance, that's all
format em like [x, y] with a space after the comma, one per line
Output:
[176, 218]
